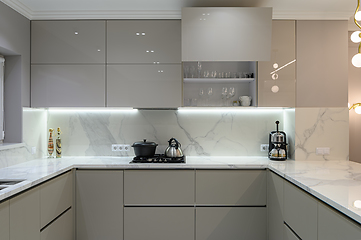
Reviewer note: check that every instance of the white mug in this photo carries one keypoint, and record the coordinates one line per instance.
(245, 100)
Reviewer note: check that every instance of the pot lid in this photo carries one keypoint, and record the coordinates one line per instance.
(144, 143)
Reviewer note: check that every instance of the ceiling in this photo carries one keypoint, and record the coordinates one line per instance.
(171, 9)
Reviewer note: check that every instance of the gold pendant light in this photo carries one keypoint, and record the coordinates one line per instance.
(356, 37)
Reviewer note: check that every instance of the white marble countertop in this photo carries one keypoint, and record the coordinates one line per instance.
(337, 183)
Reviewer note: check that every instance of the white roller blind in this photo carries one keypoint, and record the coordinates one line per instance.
(2, 68)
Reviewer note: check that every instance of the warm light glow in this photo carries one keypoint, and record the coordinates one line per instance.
(355, 37)
(356, 60)
(283, 66)
(275, 65)
(358, 110)
(358, 16)
(357, 204)
(275, 89)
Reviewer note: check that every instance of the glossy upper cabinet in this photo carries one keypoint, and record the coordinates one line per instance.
(277, 77)
(144, 41)
(226, 34)
(68, 86)
(67, 42)
(144, 86)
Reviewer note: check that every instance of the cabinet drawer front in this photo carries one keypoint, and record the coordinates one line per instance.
(56, 42)
(162, 40)
(55, 197)
(144, 86)
(160, 223)
(333, 226)
(231, 187)
(288, 234)
(159, 187)
(300, 212)
(231, 223)
(61, 229)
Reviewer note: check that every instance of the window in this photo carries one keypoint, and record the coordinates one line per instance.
(2, 68)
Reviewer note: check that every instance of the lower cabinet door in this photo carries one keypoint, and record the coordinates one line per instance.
(99, 204)
(333, 226)
(159, 223)
(4, 221)
(61, 229)
(25, 216)
(288, 234)
(231, 223)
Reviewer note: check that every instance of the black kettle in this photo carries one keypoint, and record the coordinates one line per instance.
(174, 149)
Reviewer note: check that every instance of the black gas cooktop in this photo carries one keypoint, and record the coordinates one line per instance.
(158, 158)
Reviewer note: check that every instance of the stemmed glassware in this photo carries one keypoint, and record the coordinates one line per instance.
(201, 94)
(224, 96)
(231, 93)
(209, 95)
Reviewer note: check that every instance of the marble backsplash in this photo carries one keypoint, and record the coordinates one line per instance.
(322, 127)
(201, 133)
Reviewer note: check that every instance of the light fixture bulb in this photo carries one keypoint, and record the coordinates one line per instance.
(355, 37)
(356, 60)
(275, 65)
(358, 109)
(358, 16)
(357, 204)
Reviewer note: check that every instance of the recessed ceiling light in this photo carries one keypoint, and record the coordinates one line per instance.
(143, 33)
(137, 33)
(76, 33)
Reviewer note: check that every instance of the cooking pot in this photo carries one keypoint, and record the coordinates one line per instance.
(174, 149)
(144, 148)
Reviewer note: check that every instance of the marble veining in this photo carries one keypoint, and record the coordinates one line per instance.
(224, 133)
(337, 183)
(321, 127)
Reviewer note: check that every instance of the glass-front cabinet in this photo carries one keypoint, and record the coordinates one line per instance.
(219, 84)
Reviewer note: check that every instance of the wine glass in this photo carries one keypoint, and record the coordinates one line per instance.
(201, 94)
(209, 95)
(231, 93)
(224, 95)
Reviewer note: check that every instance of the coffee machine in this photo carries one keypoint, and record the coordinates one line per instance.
(277, 149)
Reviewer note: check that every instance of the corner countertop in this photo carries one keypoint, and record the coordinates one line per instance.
(337, 183)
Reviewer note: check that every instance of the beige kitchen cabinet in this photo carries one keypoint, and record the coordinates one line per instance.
(289, 234)
(231, 223)
(280, 71)
(4, 220)
(68, 42)
(275, 206)
(144, 86)
(56, 196)
(143, 41)
(231, 187)
(226, 34)
(159, 187)
(61, 229)
(160, 223)
(25, 216)
(300, 211)
(68, 86)
(334, 226)
(99, 204)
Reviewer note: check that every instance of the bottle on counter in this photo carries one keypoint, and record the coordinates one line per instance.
(50, 143)
(58, 144)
